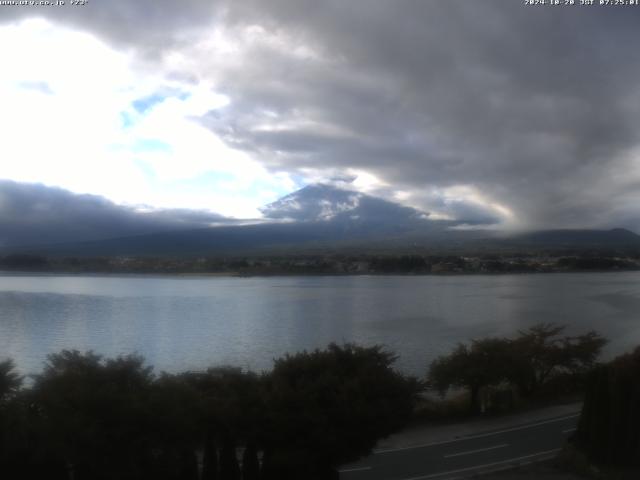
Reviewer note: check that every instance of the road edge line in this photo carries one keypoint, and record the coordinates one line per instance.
(479, 435)
(547, 454)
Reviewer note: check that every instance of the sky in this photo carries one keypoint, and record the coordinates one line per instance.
(526, 115)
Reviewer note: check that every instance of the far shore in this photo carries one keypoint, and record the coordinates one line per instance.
(329, 264)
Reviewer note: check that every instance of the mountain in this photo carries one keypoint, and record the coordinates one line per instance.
(578, 238)
(314, 237)
(317, 203)
(315, 218)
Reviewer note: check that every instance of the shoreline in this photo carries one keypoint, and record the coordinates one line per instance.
(116, 273)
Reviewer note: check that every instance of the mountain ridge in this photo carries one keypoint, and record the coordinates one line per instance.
(323, 217)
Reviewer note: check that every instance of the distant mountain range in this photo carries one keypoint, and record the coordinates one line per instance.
(314, 219)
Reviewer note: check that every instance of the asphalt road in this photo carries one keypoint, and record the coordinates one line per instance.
(466, 456)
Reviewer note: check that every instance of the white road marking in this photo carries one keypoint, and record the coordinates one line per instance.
(356, 469)
(486, 465)
(481, 435)
(568, 430)
(476, 451)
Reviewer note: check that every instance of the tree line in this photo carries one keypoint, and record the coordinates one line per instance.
(331, 263)
(88, 417)
(542, 361)
(538, 360)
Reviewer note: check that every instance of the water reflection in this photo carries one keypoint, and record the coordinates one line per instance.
(190, 323)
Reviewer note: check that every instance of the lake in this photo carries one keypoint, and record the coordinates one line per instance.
(179, 323)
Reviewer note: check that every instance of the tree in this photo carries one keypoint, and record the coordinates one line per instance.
(175, 415)
(233, 409)
(330, 407)
(539, 353)
(527, 362)
(609, 426)
(210, 458)
(483, 363)
(250, 463)
(12, 425)
(10, 380)
(92, 414)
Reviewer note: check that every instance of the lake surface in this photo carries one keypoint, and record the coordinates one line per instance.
(180, 323)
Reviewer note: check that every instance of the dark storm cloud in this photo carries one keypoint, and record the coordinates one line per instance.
(536, 108)
(147, 25)
(533, 107)
(35, 214)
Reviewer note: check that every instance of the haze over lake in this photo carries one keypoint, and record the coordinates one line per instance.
(180, 323)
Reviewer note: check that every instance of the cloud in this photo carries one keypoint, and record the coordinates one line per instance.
(36, 214)
(81, 115)
(489, 109)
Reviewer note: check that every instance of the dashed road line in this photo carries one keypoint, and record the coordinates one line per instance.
(355, 469)
(470, 452)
